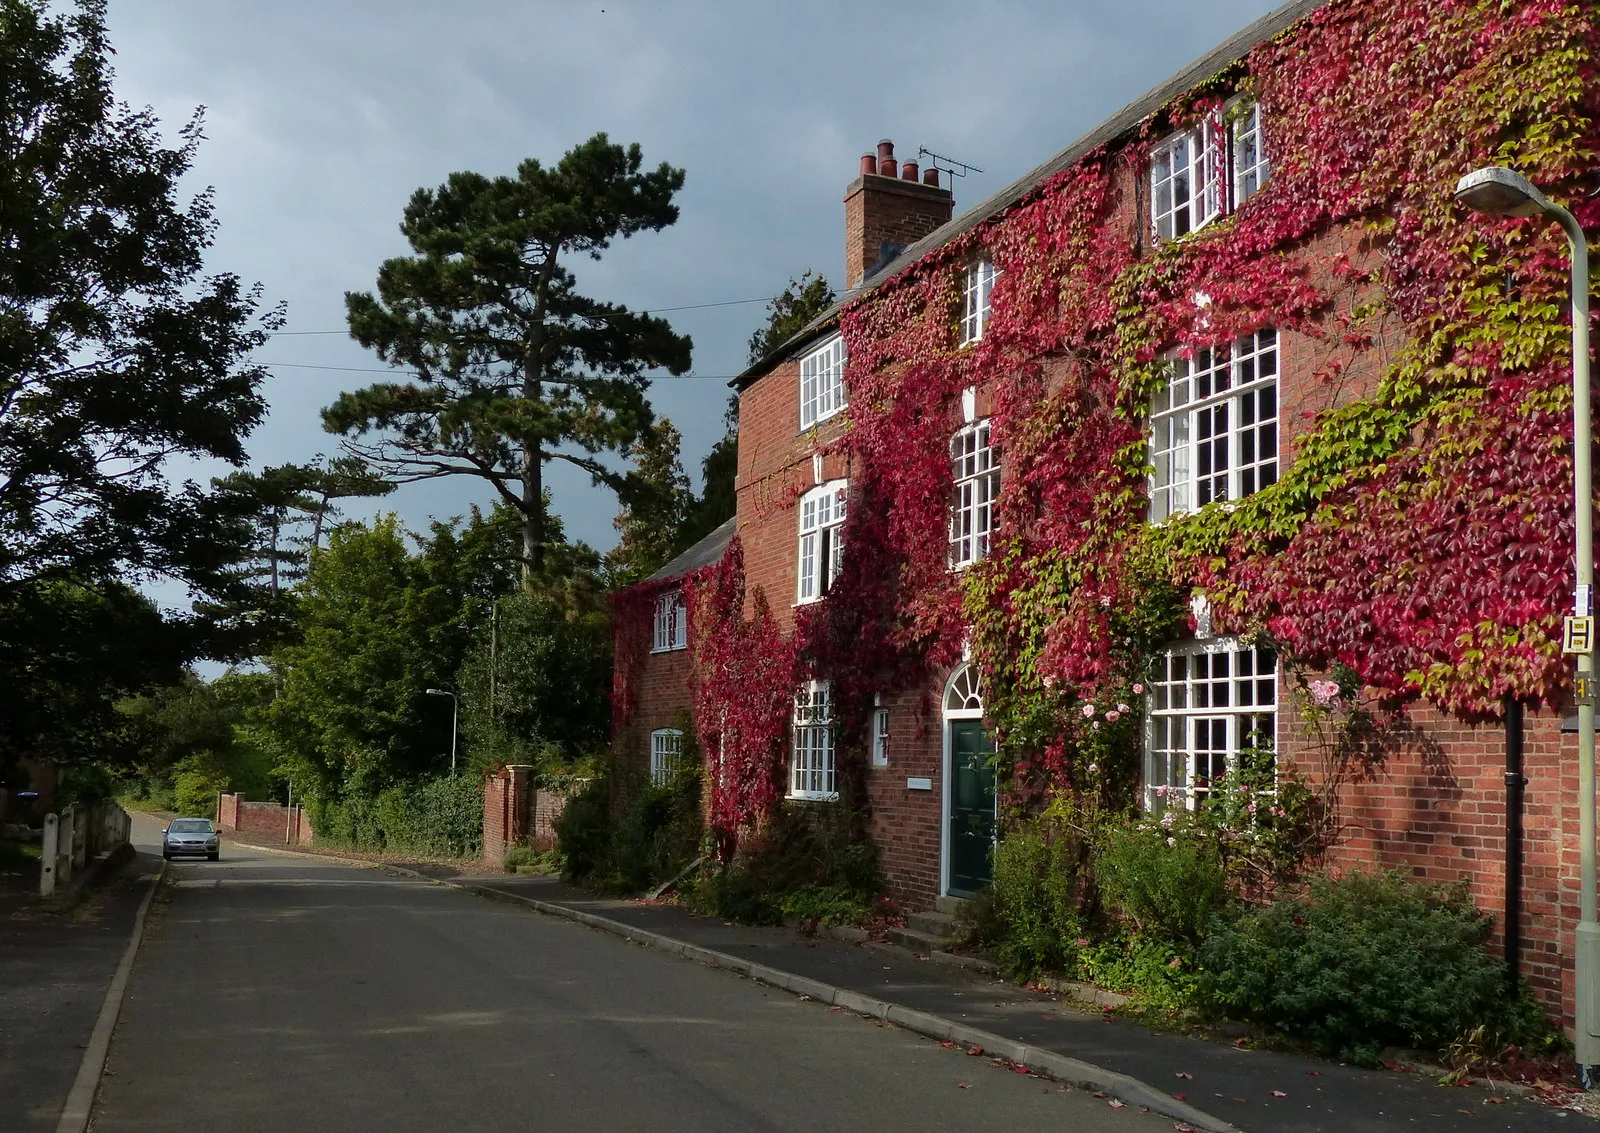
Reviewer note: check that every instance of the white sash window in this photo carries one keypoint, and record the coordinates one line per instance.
(811, 770)
(1209, 701)
(822, 515)
(822, 392)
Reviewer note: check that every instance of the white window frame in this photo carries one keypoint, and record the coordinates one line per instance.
(975, 467)
(812, 772)
(671, 623)
(1197, 720)
(880, 732)
(821, 550)
(977, 300)
(1208, 170)
(822, 389)
(666, 755)
(1247, 152)
(1214, 426)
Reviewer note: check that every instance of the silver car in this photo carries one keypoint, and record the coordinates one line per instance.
(189, 836)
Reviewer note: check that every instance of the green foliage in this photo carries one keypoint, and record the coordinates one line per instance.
(437, 817)
(515, 368)
(68, 655)
(1037, 916)
(1165, 885)
(789, 312)
(119, 353)
(1361, 962)
(799, 863)
(527, 859)
(583, 831)
(650, 525)
(378, 627)
(1157, 972)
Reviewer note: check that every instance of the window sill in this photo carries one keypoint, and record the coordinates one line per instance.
(823, 420)
(812, 797)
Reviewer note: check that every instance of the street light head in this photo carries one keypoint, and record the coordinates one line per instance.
(1498, 191)
(437, 692)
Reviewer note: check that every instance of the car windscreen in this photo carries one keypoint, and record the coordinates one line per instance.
(191, 826)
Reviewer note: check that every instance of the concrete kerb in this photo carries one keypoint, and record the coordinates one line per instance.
(1072, 1071)
(80, 1098)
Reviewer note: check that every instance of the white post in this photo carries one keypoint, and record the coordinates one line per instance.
(69, 818)
(47, 855)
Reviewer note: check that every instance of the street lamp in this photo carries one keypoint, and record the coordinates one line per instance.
(1502, 192)
(455, 705)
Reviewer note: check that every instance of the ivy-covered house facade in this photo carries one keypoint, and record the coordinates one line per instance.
(1221, 461)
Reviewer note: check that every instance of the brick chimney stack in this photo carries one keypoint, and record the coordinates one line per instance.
(886, 205)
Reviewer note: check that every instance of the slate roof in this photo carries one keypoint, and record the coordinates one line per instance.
(703, 553)
(1224, 55)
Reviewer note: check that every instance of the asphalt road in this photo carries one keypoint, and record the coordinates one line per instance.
(285, 993)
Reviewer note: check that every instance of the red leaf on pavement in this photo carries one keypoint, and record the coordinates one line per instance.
(1181, 1097)
(1279, 1094)
(1185, 1074)
(1116, 1103)
(963, 1085)
(1314, 1073)
(977, 1050)
(948, 1044)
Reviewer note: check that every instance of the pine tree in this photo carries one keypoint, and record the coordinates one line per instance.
(514, 367)
(651, 525)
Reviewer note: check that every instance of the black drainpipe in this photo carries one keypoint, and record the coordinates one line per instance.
(1515, 782)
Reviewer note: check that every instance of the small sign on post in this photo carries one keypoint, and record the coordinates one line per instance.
(1577, 635)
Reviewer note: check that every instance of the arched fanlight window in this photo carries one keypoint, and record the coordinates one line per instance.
(964, 692)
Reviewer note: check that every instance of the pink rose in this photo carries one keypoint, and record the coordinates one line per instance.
(1088, 711)
(1123, 708)
(1094, 768)
(1113, 716)
(1138, 689)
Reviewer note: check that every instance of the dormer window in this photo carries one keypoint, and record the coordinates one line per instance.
(1208, 170)
(976, 306)
(822, 392)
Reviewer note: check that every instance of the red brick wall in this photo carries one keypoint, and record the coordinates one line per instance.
(886, 210)
(265, 820)
(905, 822)
(514, 811)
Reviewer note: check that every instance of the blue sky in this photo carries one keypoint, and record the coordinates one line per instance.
(324, 115)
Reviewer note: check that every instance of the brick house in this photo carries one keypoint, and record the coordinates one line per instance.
(1229, 419)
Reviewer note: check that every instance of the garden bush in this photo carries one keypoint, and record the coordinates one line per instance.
(583, 830)
(1361, 962)
(1037, 896)
(1161, 883)
(440, 817)
(657, 836)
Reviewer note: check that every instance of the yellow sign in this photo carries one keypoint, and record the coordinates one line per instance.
(1577, 635)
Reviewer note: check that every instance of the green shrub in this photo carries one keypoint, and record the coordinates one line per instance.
(658, 835)
(1174, 890)
(440, 817)
(523, 858)
(583, 831)
(1159, 972)
(1037, 897)
(800, 864)
(1362, 962)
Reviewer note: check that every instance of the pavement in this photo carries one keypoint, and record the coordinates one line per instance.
(1249, 1089)
(54, 970)
(275, 992)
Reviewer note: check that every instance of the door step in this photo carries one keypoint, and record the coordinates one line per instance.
(948, 904)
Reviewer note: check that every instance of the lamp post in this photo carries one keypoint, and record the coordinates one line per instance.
(455, 705)
(1498, 191)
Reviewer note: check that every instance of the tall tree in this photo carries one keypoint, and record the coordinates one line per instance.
(117, 353)
(514, 367)
(651, 524)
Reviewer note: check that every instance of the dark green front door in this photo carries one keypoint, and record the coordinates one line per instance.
(971, 789)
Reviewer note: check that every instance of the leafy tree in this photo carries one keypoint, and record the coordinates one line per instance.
(70, 654)
(377, 629)
(789, 313)
(651, 525)
(191, 743)
(536, 687)
(514, 367)
(116, 352)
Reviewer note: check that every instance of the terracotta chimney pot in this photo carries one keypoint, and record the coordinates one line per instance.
(908, 171)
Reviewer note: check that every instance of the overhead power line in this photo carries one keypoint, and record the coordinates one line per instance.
(642, 311)
(406, 374)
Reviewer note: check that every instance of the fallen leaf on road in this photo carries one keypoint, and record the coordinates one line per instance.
(1185, 1074)
(975, 1050)
(1116, 1103)
(963, 1085)
(948, 1044)
(1279, 1094)
(836, 1009)
(1099, 1093)
(1314, 1073)
(1497, 1101)
(1238, 1099)
(1468, 1112)
(1181, 1097)
(1183, 1127)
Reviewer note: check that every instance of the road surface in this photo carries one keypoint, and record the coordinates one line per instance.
(276, 992)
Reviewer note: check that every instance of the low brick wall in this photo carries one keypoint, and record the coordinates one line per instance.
(289, 825)
(514, 811)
